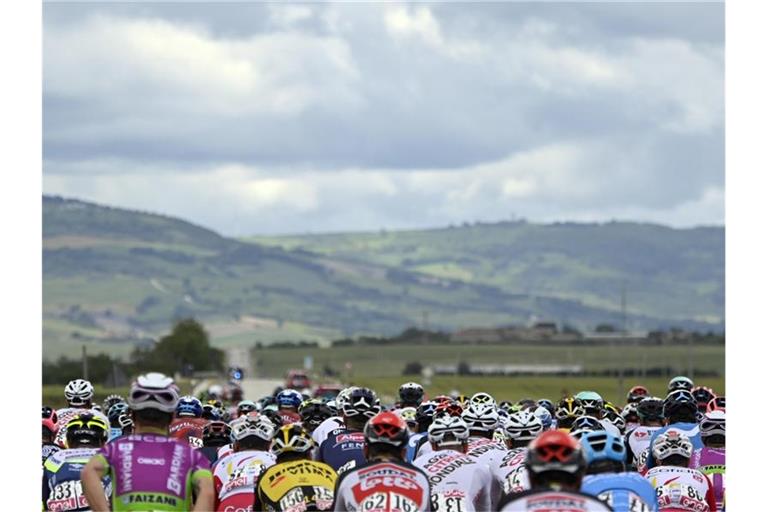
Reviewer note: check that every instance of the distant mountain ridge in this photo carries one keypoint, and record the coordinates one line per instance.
(113, 277)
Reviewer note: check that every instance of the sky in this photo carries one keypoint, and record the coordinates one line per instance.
(266, 118)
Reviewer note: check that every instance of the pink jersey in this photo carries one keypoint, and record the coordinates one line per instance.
(711, 462)
(235, 475)
(681, 489)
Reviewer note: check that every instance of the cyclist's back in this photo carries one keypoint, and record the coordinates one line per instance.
(681, 489)
(624, 492)
(383, 485)
(458, 481)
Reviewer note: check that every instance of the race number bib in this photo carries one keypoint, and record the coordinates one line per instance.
(386, 501)
(67, 496)
(681, 496)
(449, 501)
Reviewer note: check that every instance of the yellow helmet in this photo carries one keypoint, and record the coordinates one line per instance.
(291, 438)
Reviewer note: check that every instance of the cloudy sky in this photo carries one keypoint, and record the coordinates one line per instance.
(295, 118)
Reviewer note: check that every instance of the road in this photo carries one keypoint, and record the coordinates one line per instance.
(253, 388)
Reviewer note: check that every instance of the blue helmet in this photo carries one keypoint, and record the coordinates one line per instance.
(602, 445)
(544, 415)
(116, 411)
(189, 407)
(289, 398)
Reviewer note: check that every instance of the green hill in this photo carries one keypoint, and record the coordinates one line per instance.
(113, 278)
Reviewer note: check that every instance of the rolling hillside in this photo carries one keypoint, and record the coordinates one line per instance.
(113, 278)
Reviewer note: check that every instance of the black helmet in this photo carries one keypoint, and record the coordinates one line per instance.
(361, 403)
(651, 409)
(680, 404)
(411, 393)
(314, 412)
(216, 433)
(87, 429)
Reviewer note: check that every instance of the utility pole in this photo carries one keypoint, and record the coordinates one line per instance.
(623, 338)
(85, 364)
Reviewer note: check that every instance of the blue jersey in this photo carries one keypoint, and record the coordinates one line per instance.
(623, 492)
(414, 442)
(689, 429)
(341, 446)
(61, 480)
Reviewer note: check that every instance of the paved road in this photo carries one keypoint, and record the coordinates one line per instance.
(253, 389)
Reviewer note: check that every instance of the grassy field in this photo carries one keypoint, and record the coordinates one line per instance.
(386, 361)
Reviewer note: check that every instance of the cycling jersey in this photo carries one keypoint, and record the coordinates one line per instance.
(689, 429)
(223, 451)
(152, 471)
(681, 489)
(383, 486)
(552, 501)
(511, 472)
(64, 415)
(62, 489)
(323, 429)
(459, 482)
(488, 452)
(415, 441)
(294, 486)
(636, 441)
(188, 429)
(342, 446)
(235, 475)
(711, 462)
(623, 492)
(610, 427)
(289, 417)
(49, 449)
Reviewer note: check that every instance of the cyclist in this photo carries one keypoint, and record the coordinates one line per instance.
(383, 482)
(636, 394)
(62, 490)
(650, 411)
(235, 475)
(680, 415)
(613, 415)
(295, 481)
(710, 460)
(110, 401)
(677, 486)
(594, 405)
(288, 402)
(149, 469)
(216, 439)
(411, 395)
(321, 432)
(246, 406)
(568, 409)
(313, 413)
(703, 396)
(188, 422)
(420, 440)
(678, 383)
(49, 434)
(548, 405)
(482, 418)
(79, 396)
(585, 424)
(544, 416)
(631, 419)
(520, 429)
(344, 446)
(606, 477)
(458, 482)
(114, 414)
(555, 465)
(409, 416)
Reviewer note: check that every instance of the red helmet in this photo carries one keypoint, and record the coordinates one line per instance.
(716, 404)
(703, 396)
(637, 393)
(388, 428)
(450, 408)
(442, 398)
(555, 450)
(50, 425)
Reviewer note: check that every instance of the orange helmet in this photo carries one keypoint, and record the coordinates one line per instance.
(554, 450)
(387, 428)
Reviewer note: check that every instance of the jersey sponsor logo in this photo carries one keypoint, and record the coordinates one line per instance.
(302, 468)
(150, 461)
(442, 467)
(557, 502)
(150, 498)
(173, 483)
(388, 479)
(126, 466)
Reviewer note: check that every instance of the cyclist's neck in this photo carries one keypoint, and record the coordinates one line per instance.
(144, 429)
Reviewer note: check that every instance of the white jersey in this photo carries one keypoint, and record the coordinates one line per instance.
(458, 482)
(640, 439)
(237, 472)
(64, 415)
(488, 452)
(610, 427)
(325, 428)
(679, 489)
(383, 486)
(511, 472)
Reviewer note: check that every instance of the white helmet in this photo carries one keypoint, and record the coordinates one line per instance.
(713, 424)
(451, 426)
(523, 426)
(671, 443)
(481, 417)
(343, 396)
(482, 399)
(248, 426)
(78, 392)
(153, 391)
